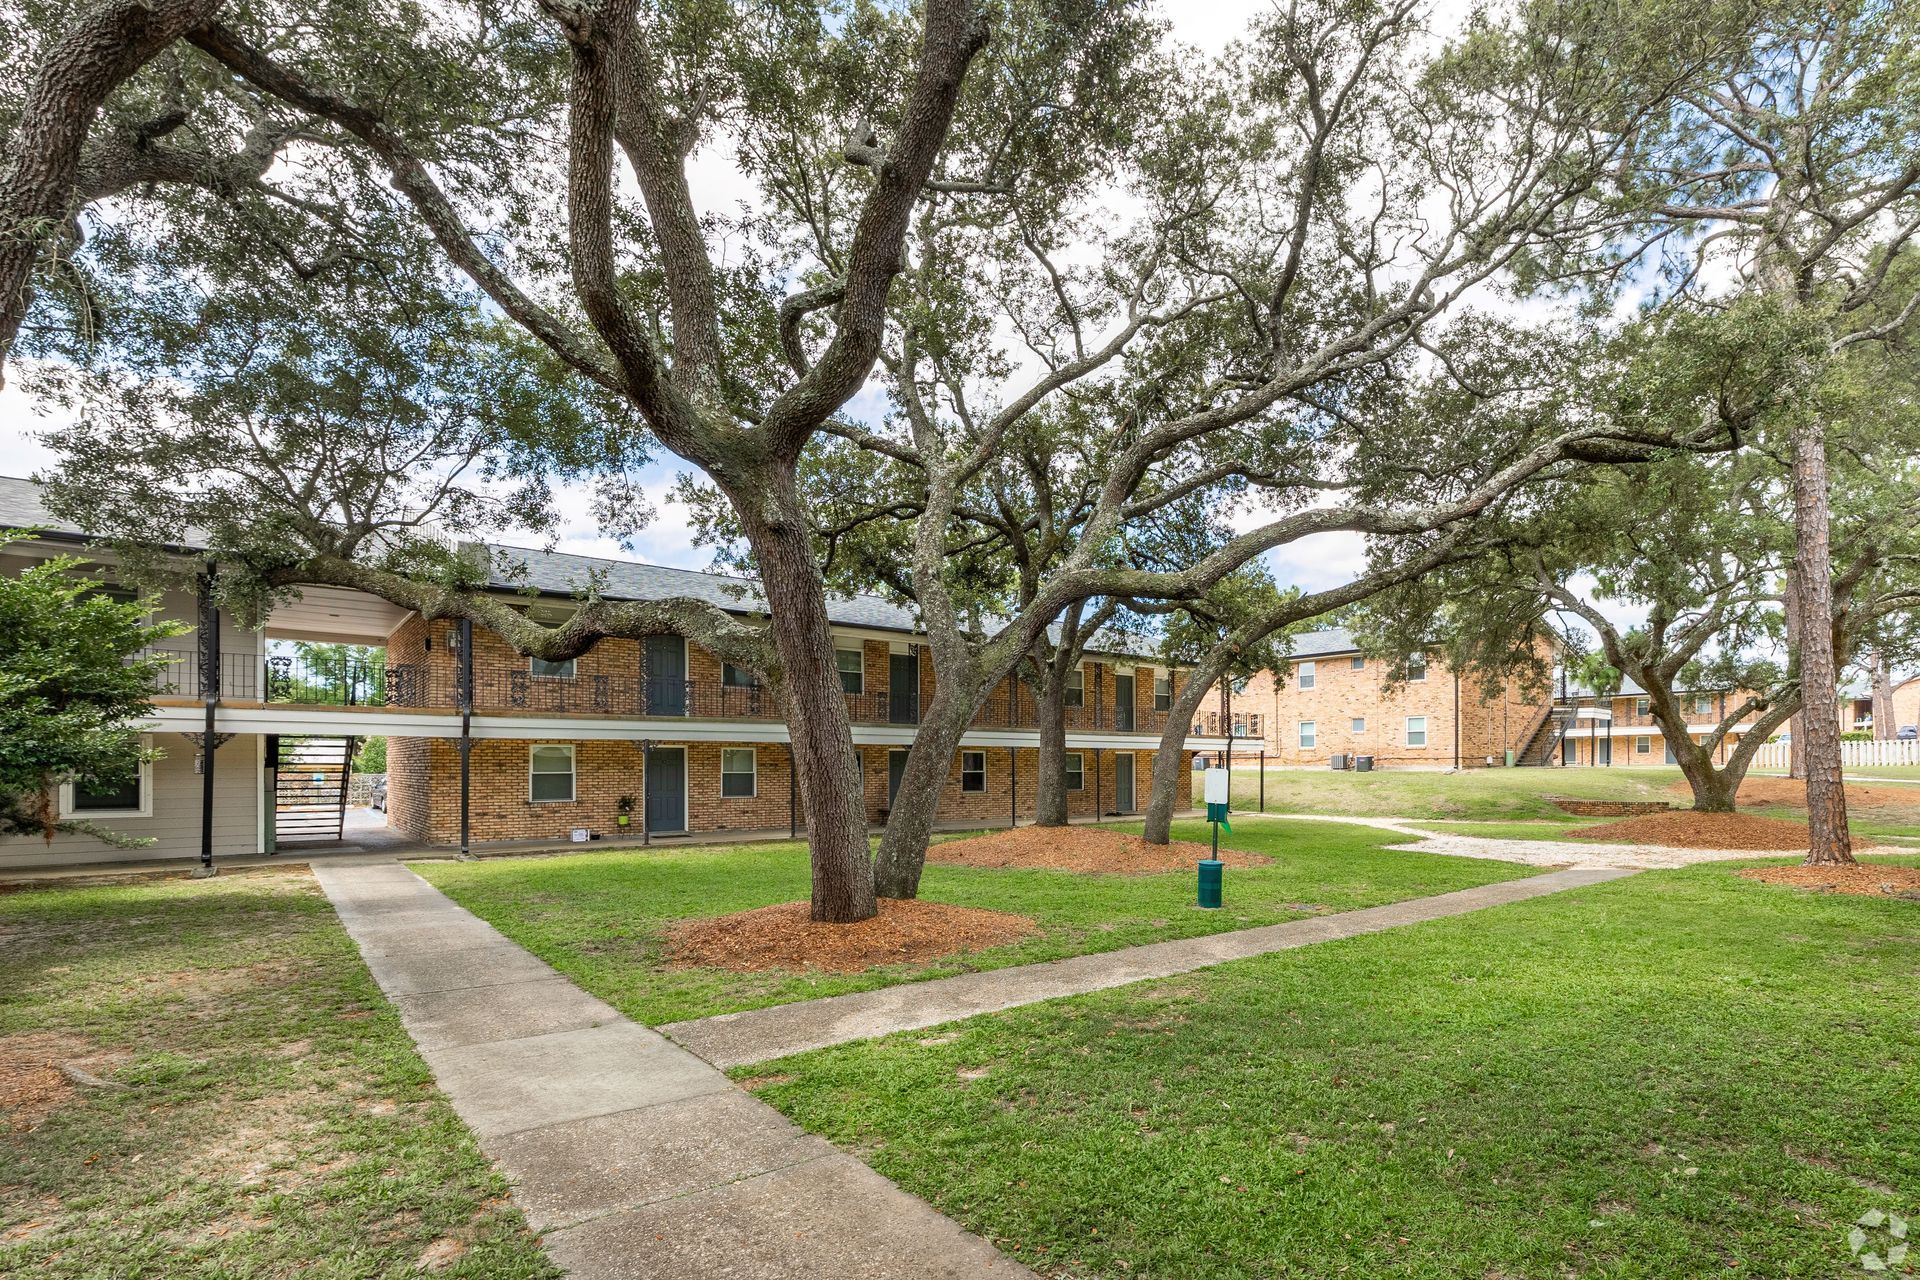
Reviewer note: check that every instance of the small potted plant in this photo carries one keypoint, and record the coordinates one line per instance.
(625, 807)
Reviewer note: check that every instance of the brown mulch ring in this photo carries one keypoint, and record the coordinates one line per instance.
(1866, 880)
(1686, 829)
(783, 937)
(1081, 849)
(1792, 794)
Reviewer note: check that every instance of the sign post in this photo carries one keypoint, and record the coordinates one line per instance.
(1218, 788)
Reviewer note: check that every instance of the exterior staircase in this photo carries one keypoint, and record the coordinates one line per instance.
(1544, 742)
(310, 789)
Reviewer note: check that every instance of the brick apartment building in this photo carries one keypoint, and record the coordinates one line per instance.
(656, 729)
(1619, 728)
(1334, 700)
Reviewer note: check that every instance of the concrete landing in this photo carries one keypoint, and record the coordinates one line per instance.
(737, 1039)
(633, 1157)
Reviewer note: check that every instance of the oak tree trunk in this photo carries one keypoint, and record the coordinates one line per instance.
(821, 733)
(1050, 706)
(903, 846)
(1168, 777)
(1829, 840)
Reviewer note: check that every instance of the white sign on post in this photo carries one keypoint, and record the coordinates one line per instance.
(1218, 782)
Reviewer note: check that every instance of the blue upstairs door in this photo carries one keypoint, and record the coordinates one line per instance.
(666, 673)
(903, 688)
(666, 787)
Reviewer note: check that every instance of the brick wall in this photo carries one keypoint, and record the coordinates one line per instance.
(424, 789)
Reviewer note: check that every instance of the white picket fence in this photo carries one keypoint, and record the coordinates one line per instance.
(1852, 754)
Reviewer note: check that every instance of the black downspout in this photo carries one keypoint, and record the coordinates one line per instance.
(1097, 753)
(466, 739)
(1013, 787)
(210, 694)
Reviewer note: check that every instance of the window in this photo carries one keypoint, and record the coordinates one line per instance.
(1075, 694)
(853, 670)
(973, 771)
(1359, 724)
(1357, 664)
(128, 797)
(737, 677)
(550, 773)
(1417, 671)
(1703, 704)
(1162, 690)
(1642, 706)
(737, 773)
(1239, 726)
(1253, 726)
(1643, 745)
(1076, 771)
(562, 670)
(1309, 734)
(1416, 731)
(1308, 674)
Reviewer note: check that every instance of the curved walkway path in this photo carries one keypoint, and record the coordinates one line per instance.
(1534, 853)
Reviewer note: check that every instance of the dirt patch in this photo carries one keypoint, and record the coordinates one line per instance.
(41, 1072)
(782, 937)
(1862, 879)
(1686, 829)
(1608, 808)
(1082, 849)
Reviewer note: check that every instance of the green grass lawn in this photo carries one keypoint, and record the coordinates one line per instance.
(1680, 1074)
(1486, 795)
(598, 917)
(262, 1112)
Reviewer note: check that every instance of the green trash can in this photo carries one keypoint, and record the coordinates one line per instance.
(1210, 869)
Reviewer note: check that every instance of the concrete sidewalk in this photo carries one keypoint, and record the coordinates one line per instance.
(633, 1157)
(737, 1039)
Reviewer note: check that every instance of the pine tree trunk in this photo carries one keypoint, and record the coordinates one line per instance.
(1829, 840)
(827, 771)
(1796, 739)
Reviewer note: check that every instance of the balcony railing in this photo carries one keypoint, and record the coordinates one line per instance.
(356, 680)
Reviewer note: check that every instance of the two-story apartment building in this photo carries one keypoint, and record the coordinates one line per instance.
(657, 730)
(1335, 700)
(1619, 728)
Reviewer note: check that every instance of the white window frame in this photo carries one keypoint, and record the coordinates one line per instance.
(1309, 734)
(1421, 659)
(1162, 680)
(1073, 692)
(1307, 675)
(1076, 762)
(752, 681)
(753, 773)
(1703, 704)
(982, 771)
(1422, 731)
(1643, 706)
(1358, 724)
(573, 772)
(1643, 744)
(143, 810)
(858, 671)
(1357, 663)
(570, 672)
(1253, 724)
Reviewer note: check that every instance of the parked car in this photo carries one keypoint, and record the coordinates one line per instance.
(1908, 732)
(378, 797)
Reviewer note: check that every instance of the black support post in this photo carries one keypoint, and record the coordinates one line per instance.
(1263, 777)
(1013, 788)
(210, 697)
(1097, 805)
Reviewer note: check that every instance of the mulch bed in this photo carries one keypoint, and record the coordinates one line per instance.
(783, 937)
(1082, 849)
(1686, 829)
(1866, 881)
(1792, 793)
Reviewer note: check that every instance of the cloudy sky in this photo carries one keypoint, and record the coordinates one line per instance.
(1319, 562)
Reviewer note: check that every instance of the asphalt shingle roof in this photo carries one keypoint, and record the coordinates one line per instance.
(20, 508)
